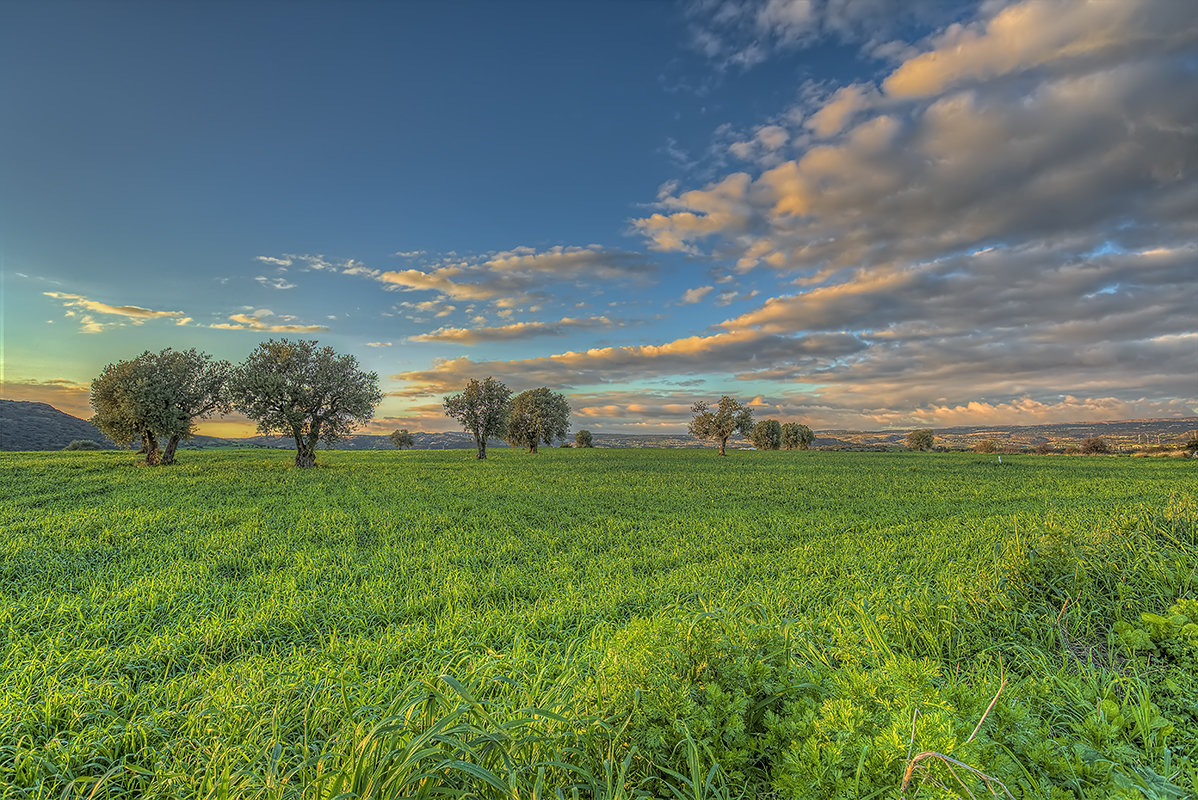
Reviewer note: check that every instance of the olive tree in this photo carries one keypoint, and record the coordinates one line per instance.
(309, 393)
(767, 435)
(482, 409)
(584, 439)
(728, 418)
(401, 438)
(157, 397)
(796, 436)
(537, 416)
(920, 440)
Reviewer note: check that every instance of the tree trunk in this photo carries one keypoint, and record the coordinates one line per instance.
(150, 445)
(723, 442)
(168, 455)
(305, 454)
(481, 444)
(532, 448)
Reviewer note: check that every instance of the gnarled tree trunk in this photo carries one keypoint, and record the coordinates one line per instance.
(723, 443)
(149, 443)
(305, 454)
(168, 455)
(481, 444)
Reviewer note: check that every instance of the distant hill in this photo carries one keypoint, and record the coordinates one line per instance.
(37, 426)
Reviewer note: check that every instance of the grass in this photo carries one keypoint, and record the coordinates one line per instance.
(597, 623)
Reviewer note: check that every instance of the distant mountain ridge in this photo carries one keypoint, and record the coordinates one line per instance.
(26, 425)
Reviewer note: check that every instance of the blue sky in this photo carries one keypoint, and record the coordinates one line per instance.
(964, 214)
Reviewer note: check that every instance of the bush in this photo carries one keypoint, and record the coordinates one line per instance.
(84, 444)
(584, 439)
(986, 446)
(1094, 446)
(767, 435)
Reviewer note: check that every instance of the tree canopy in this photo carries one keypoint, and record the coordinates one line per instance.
(401, 438)
(307, 392)
(537, 416)
(920, 440)
(796, 436)
(728, 418)
(584, 439)
(767, 435)
(157, 397)
(482, 409)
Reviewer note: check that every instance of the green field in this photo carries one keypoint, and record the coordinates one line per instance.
(598, 623)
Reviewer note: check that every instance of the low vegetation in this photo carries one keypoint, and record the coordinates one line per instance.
(631, 624)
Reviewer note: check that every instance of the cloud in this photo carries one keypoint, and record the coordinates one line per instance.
(990, 233)
(515, 330)
(506, 278)
(378, 344)
(274, 283)
(1063, 33)
(695, 295)
(127, 315)
(260, 321)
(1095, 148)
(744, 33)
(279, 262)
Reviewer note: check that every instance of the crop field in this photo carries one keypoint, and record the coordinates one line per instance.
(598, 624)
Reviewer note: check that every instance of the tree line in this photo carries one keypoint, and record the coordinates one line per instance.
(315, 395)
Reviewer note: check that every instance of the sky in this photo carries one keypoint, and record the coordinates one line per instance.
(848, 213)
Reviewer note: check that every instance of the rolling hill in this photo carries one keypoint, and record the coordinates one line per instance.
(27, 425)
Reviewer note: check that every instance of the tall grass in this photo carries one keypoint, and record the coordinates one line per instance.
(596, 624)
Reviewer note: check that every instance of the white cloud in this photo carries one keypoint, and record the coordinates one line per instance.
(695, 295)
(125, 315)
(274, 283)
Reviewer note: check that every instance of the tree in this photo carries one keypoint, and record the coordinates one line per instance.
(728, 418)
(767, 435)
(307, 392)
(537, 416)
(1094, 446)
(159, 396)
(584, 439)
(482, 409)
(986, 446)
(401, 438)
(921, 439)
(796, 436)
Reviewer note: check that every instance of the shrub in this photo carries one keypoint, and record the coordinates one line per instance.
(84, 444)
(584, 439)
(986, 446)
(1095, 445)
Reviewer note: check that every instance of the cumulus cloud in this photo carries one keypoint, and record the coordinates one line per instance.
(695, 295)
(1000, 230)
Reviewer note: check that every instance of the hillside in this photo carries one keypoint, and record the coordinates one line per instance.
(37, 426)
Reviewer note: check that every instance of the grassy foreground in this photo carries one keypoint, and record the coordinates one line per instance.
(598, 623)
